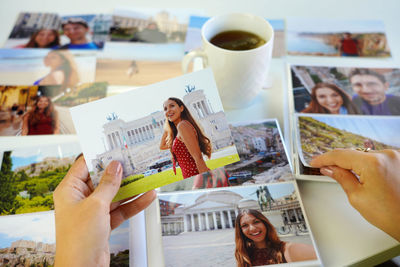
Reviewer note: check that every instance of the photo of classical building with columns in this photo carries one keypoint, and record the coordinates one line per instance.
(217, 210)
(136, 143)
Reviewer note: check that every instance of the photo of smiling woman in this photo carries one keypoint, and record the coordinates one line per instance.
(329, 99)
(43, 38)
(185, 139)
(257, 242)
(41, 119)
(63, 70)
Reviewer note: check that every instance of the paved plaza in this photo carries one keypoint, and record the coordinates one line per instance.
(208, 248)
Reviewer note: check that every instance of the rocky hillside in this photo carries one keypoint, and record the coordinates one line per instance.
(23, 253)
(48, 164)
(317, 137)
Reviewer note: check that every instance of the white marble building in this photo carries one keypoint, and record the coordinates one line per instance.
(136, 143)
(216, 210)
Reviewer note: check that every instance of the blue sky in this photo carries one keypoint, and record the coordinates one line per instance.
(28, 155)
(333, 25)
(119, 238)
(38, 227)
(277, 190)
(382, 129)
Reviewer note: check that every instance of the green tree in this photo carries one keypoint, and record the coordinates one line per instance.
(41, 189)
(7, 192)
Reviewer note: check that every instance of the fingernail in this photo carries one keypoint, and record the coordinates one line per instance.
(326, 171)
(114, 168)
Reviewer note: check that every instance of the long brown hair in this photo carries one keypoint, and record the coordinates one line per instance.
(68, 67)
(203, 140)
(32, 41)
(245, 246)
(34, 115)
(315, 107)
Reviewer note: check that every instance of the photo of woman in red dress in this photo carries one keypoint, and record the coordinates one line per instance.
(184, 138)
(42, 119)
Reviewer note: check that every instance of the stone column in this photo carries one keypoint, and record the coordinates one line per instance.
(200, 222)
(230, 219)
(222, 219)
(193, 226)
(295, 215)
(185, 226)
(287, 216)
(110, 142)
(207, 112)
(207, 222)
(215, 220)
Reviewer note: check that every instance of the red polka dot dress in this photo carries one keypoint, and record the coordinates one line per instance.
(185, 160)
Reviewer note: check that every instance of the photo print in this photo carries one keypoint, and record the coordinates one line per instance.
(137, 128)
(346, 90)
(119, 245)
(135, 72)
(46, 67)
(211, 226)
(317, 134)
(89, 31)
(35, 30)
(29, 176)
(263, 159)
(28, 238)
(41, 110)
(193, 36)
(49, 30)
(337, 38)
(150, 25)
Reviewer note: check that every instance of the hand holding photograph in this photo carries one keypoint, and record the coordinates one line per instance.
(161, 133)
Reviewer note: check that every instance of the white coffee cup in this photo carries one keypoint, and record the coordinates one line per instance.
(240, 75)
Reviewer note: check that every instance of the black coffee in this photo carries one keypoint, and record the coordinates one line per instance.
(237, 40)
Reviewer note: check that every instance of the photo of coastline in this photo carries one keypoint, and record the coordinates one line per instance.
(196, 225)
(32, 66)
(318, 134)
(337, 38)
(130, 127)
(346, 90)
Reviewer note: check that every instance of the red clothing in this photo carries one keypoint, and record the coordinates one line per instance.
(265, 256)
(43, 126)
(185, 160)
(349, 46)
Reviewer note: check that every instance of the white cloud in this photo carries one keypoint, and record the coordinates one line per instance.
(39, 227)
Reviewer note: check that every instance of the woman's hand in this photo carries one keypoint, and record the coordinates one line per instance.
(376, 193)
(85, 217)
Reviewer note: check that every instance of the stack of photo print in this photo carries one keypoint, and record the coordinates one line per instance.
(347, 102)
(97, 84)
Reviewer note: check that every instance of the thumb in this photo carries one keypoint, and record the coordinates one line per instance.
(110, 182)
(345, 178)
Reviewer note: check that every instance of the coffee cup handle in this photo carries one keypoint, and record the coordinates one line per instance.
(192, 56)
